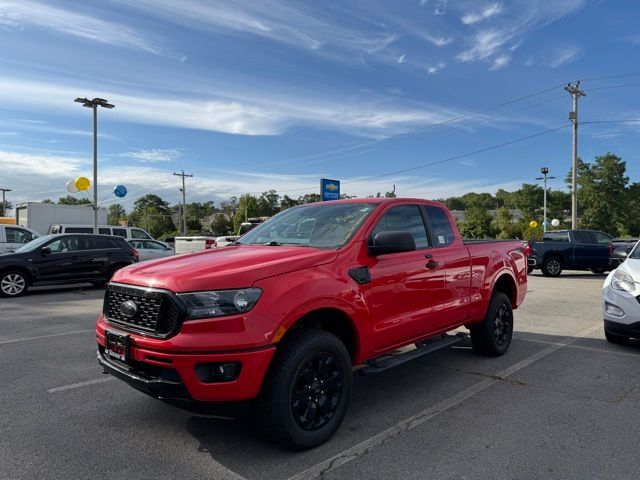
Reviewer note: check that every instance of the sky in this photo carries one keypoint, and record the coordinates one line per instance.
(434, 97)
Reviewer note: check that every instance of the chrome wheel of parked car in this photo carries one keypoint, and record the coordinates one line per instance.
(552, 267)
(13, 284)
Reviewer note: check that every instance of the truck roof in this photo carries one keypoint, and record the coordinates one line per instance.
(383, 200)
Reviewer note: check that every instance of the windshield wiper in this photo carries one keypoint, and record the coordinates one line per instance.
(274, 243)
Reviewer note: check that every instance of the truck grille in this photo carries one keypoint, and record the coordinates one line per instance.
(156, 312)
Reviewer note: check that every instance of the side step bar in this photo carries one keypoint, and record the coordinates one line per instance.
(378, 365)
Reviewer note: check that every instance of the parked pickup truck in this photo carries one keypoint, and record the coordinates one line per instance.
(619, 249)
(571, 249)
(284, 314)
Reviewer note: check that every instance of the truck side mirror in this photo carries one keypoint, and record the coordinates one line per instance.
(391, 242)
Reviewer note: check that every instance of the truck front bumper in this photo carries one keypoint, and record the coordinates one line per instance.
(177, 376)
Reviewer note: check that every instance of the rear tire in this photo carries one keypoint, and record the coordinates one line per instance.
(530, 270)
(598, 270)
(493, 335)
(552, 267)
(13, 283)
(617, 339)
(307, 390)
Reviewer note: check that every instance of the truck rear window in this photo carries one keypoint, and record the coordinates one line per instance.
(556, 237)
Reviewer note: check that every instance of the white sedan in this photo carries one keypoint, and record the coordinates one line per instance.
(621, 300)
(151, 249)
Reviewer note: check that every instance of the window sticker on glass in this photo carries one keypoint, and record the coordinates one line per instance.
(441, 240)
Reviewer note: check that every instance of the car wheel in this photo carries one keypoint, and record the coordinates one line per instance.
(598, 271)
(307, 391)
(493, 335)
(617, 339)
(13, 283)
(530, 270)
(552, 267)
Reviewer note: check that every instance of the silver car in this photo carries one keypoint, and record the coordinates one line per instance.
(621, 300)
(151, 249)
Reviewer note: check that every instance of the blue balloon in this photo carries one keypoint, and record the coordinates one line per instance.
(120, 191)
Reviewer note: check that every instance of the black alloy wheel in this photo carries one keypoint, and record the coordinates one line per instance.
(317, 391)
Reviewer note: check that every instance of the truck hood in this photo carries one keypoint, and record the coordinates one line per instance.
(222, 268)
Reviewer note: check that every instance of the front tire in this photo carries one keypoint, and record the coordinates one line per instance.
(13, 283)
(493, 335)
(552, 267)
(307, 390)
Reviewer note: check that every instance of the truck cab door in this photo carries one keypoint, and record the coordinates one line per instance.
(405, 289)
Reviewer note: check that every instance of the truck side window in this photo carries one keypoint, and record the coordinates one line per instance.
(121, 232)
(556, 237)
(18, 235)
(136, 233)
(602, 238)
(582, 236)
(441, 226)
(404, 218)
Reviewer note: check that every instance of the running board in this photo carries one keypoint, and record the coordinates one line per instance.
(422, 348)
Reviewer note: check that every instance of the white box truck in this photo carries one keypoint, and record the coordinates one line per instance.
(40, 216)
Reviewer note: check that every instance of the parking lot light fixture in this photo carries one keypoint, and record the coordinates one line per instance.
(545, 172)
(94, 104)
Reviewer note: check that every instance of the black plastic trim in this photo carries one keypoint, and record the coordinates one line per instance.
(361, 275)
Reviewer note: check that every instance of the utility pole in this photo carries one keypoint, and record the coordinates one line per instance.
(184, 200)
(4, 203)
(575, 92)
(94, 104)
(544, 171)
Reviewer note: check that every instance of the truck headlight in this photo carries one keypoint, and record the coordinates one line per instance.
(220, 303)
(622, 281)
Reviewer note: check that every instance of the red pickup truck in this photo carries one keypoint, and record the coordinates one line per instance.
(284, 314)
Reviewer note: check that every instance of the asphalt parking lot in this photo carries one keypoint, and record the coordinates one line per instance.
(562, 403)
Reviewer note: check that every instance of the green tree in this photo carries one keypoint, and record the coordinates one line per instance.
(503, 225)
(309, 198)
(5, 207)
(47, 200)
(288, 202)
(117, 213)
(529, 199)
(71, 200)
(268, 203)
(220, 225)
(153, 214)
(477, 223)
(603, 195)
(247, 207)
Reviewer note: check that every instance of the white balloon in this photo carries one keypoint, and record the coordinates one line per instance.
(555, 222)
(71, 186)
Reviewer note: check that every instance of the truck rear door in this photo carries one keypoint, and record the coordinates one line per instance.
(455, 258)
(590, 250)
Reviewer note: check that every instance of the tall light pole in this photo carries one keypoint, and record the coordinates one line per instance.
(575, 92)
(184, 200)
(4, 203)
(94, 104)
(545, 172)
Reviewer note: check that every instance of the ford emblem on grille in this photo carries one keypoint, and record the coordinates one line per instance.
(128, 309)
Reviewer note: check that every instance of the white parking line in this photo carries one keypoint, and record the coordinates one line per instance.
(405, 425)
(579, 347)
(81, 384)
(4, 342)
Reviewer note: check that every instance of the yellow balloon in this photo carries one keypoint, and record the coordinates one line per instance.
(533, 224)
(82, 183)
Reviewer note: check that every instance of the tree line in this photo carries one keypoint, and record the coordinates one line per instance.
(607, 201)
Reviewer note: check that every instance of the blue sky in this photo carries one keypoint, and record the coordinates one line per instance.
(257, 95)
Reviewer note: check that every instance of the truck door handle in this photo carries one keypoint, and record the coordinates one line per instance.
(432, 264)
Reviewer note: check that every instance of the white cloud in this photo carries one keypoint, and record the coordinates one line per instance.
(21, 13)
(153, 155)
(563, 55)
(487, 12)
(432, 70)
(485, 44)
(439, 41)
(262, 115)
(500, 62)
(440, 7)
(28, 165)
(401, 58)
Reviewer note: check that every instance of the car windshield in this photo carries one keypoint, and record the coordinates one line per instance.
(320, 225)
(635, 253)
(34, 244)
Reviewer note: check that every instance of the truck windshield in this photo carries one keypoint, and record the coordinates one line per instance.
(320, 225)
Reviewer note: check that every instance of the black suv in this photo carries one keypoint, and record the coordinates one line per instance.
(62, 259)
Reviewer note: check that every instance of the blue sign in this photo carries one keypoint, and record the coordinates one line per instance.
(329, 189)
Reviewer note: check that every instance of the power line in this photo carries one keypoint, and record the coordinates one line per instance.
(449, 159)
(607, 87)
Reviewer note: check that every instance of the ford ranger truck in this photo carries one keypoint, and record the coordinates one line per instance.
(283, 315)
